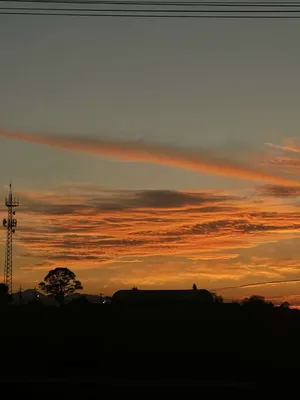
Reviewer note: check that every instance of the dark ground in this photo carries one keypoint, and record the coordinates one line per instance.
(85, 348)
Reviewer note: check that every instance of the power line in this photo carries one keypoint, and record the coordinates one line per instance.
(115, 15)
(117, 10)
(167, 3)
(191, 9)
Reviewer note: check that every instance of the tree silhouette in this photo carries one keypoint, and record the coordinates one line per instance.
(60, 283)
(257, 303)
(254, 300)
(217, 299)
(285, 304)
(194, 286)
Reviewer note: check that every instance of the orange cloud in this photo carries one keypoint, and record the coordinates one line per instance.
(200, 160)
(156, 238)
(126, 229)
(279, 191)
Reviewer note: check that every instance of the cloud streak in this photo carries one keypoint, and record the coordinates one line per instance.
(160, 239)
(285, 163)
(259, 284)
(199, 226)
(288, 145)
(199, 160)
(279, 191)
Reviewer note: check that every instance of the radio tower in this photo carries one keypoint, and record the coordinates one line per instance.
(10, 224)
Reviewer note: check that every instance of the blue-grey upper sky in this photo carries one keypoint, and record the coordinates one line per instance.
(232, 84)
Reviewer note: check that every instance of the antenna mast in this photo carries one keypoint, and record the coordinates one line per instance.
(10, 224)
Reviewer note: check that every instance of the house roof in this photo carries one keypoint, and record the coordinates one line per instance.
(162, 295)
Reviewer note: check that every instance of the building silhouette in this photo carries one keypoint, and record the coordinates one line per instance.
(163, 300)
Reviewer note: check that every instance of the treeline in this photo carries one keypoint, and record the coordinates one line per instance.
(251, 341)
(239, 341)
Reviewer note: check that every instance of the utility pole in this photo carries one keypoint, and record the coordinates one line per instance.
(10, 224)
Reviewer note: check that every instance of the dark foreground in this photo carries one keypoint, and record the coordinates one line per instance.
(82, 349)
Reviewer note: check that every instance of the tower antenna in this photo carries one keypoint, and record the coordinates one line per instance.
(10, 224)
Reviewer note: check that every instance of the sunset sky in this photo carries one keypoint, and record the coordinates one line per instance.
(153, 153)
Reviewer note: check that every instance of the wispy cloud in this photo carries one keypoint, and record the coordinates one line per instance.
(201, 160)
(281, 161)
(284, 163)
(279, 191)
(162, 237)
(288, 145)
(119, 232)
(259, 284)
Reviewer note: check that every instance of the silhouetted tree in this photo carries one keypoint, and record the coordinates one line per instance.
(254, 300)
(195, 286)
(4, 296)
(285, 304)
(217, 299)
(60, 283)
(256, 303)
(134, 289)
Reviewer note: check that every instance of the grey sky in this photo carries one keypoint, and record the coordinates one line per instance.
(228, 84)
